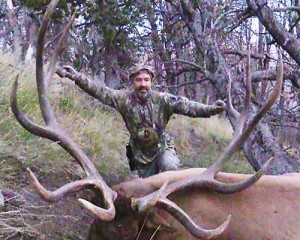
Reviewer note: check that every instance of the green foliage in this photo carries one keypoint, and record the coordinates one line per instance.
(37, 4)
(115, 28)
(65, 103)
(42, 4)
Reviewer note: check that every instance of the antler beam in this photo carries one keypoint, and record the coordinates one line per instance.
(55, 133)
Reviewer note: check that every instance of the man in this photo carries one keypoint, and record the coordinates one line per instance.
(146, 113)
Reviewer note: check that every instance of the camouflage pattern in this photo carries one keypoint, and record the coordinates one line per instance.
(146, 122)
(137, 68)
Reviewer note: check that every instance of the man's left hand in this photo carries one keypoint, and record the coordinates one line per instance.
(221, 104)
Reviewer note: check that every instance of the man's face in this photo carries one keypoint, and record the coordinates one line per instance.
(142, 85)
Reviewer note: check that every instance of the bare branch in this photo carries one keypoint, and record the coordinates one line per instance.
(196, 66)
(287, 8)
(240, 122)
(182, 84)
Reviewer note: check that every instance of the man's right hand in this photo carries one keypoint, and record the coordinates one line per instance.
(68, 72)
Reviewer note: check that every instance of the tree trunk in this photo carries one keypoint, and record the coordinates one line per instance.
(159, 51)
(110, 63)
(13, 22)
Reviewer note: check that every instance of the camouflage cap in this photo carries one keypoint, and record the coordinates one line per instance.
(137, 68)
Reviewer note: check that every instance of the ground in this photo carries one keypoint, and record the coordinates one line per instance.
(26, 216)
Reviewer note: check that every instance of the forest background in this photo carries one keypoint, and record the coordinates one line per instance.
(192, 45)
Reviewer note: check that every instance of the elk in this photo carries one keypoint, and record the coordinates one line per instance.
(139, 202)
(267, 210)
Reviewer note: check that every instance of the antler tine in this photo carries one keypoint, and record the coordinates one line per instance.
(229, 107)
(104, 214)
(229, 188)
(53, 132)
(239, 140)
(45, 107)
(159, 199)
(240, 119)
(62, 191)
(58, 50)
(189, 224)
(21, 117)
(240, 122)
(58, 134)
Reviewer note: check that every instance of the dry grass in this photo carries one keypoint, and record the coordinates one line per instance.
(13, 221)
(201, 141)
(205, 128)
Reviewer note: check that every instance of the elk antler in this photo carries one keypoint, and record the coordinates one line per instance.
(54, 132)
(207, 180)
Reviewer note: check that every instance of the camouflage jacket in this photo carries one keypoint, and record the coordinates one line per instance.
(146, 122)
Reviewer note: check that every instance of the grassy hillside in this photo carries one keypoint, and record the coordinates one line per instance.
(99, 130)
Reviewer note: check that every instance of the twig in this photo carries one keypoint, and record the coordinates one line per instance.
(155, 232)
(138, 236)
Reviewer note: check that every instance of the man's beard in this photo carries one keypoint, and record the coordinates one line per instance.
(143, 93)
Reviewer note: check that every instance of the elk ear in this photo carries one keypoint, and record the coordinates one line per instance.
(157, 220)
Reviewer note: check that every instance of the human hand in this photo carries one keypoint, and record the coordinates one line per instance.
(219, 106)
(220, 103)
(70, 69)
(68, 72)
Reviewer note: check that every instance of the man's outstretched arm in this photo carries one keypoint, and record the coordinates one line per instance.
(182, 105)
(104, 94)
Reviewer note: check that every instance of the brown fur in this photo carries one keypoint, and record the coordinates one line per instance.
(270, 209)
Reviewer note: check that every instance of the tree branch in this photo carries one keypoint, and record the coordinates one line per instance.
(282, 37)
(182, 84)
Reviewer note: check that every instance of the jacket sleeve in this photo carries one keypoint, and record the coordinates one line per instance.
(184, 106)
(104, 94)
